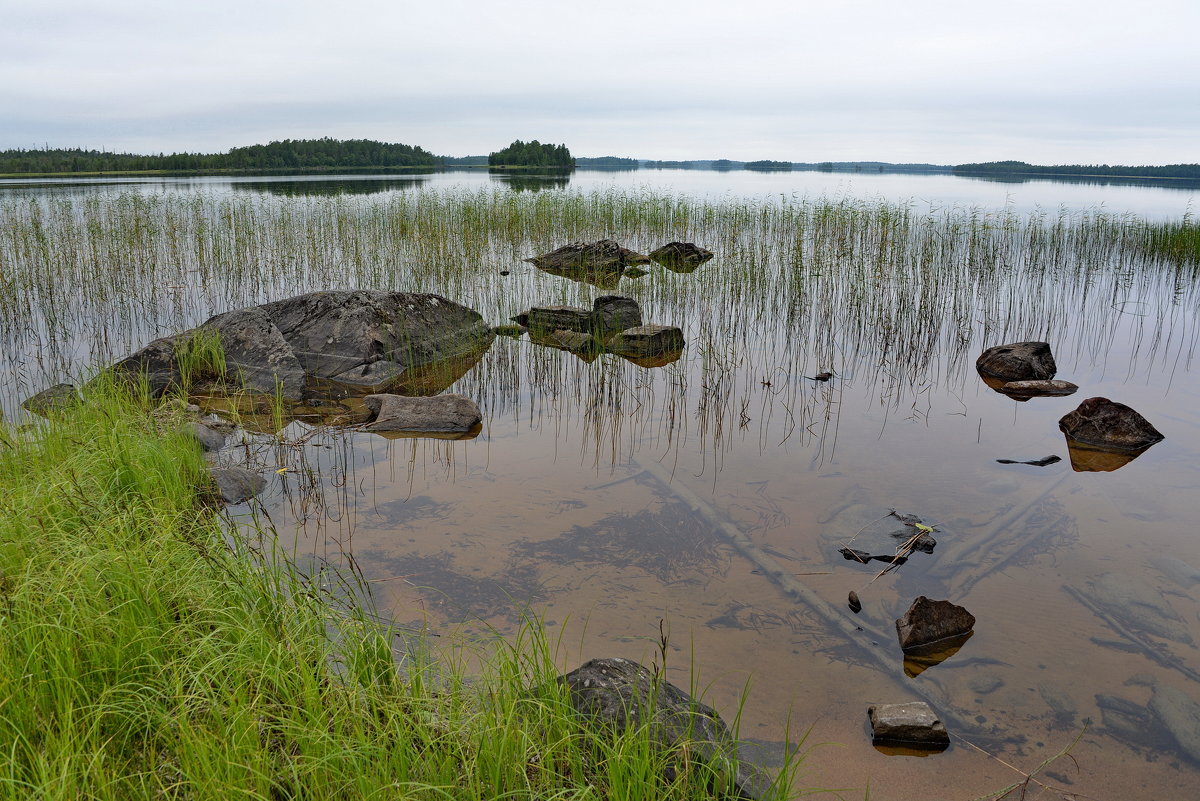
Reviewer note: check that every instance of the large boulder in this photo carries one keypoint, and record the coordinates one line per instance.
(1108, 425)
(1018, 361)
(359, 339)
(443, 414)
(614, 695)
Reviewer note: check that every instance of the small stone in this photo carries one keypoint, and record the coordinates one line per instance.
(1106, 424)
(209, 439)
(236, 484)
(927, 622)
(855, 604)
(1018, 361)
(437, 414)
(855, 555)
(646, 340)
(1035, 389)
(913, 723)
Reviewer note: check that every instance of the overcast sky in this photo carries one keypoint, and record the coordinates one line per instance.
(944, 81)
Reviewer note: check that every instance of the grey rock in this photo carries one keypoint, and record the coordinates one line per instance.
(52, 401)
(437, 414)
(209, 439)
(913, 723)
(680, 256)
(646, 340)
(1018, 361)
(1180, 715)
(363, 339)
(236, 484)
(614, 695)
(1034, 389)
(1106, 424)
(615, 313)
(927, 622)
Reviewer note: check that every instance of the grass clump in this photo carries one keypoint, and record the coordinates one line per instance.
(144, 653)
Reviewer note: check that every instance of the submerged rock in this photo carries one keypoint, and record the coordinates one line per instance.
(1180, 715)
(447, 414)
(913, 724)
(1108, 425)
(1018, 361)
(1136, 604)
(1124, 719)
(614, 695)
(928, 622)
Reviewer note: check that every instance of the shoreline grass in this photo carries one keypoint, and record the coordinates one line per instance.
(145, 652)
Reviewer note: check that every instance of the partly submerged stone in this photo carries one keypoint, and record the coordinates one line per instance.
(928, 622)
(1023, 390)
(446, 414)
(615, 313)
(1105, 424)
(1018, 361)
(359, 339)
(647, 340)
(681, 256)
(52, 401)
(556, 318)
(608, 313)
(616, 695)
(209, 439)
(600, 255)
(913, 724)
(236, 484)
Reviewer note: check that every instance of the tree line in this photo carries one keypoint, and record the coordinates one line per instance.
(1114, 171)
(532, 154)
(288, 154)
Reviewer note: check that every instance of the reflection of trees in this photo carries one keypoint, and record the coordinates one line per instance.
(329, 186)
(536, 182)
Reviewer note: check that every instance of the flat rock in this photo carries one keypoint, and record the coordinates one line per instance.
(52, 401)
(913, 723)
(615, 694)
(927, 622)
(647, 340)
(1034, 389)
(437, 414)
(1018, 361)
(236, 484)
(1108, 425)
(1180, 715)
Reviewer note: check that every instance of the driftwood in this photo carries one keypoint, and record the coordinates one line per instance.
(835, 619)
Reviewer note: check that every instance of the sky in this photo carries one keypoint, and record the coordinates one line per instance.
(941, 81)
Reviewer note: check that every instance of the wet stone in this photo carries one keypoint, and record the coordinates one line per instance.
(1036, 389)
(208, 439)
(647, 340)
(1105, 424)
(913, 723)
(1018, 361)
(437, 414)
(927, 622)
(236, 484)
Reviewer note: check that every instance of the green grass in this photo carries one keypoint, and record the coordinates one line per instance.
(145, 652)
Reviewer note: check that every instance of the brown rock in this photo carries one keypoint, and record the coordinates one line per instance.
(1037, 389)
(927, 622)
(1106, 424)
(1018, 361)
(438, 414)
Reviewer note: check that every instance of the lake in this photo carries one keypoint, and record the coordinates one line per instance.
(604, 496)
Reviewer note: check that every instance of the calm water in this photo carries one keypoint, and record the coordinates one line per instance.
(579, 498)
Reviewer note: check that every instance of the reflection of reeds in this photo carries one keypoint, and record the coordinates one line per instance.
(887, 294)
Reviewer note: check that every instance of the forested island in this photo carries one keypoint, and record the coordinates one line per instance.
(1084, 170)
(288, 154)
(532, 154)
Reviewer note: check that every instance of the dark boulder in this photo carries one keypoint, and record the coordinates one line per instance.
(1108, 425)
(911, 724)
(609, 313)
(681, 257)
(1018, 361)
(647, 340)
(449, 414)
(615, 313)
(557, 318)
(928, 622)
(615, 695)
(207, 438)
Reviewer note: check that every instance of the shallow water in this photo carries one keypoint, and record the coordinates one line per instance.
(560, 506)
